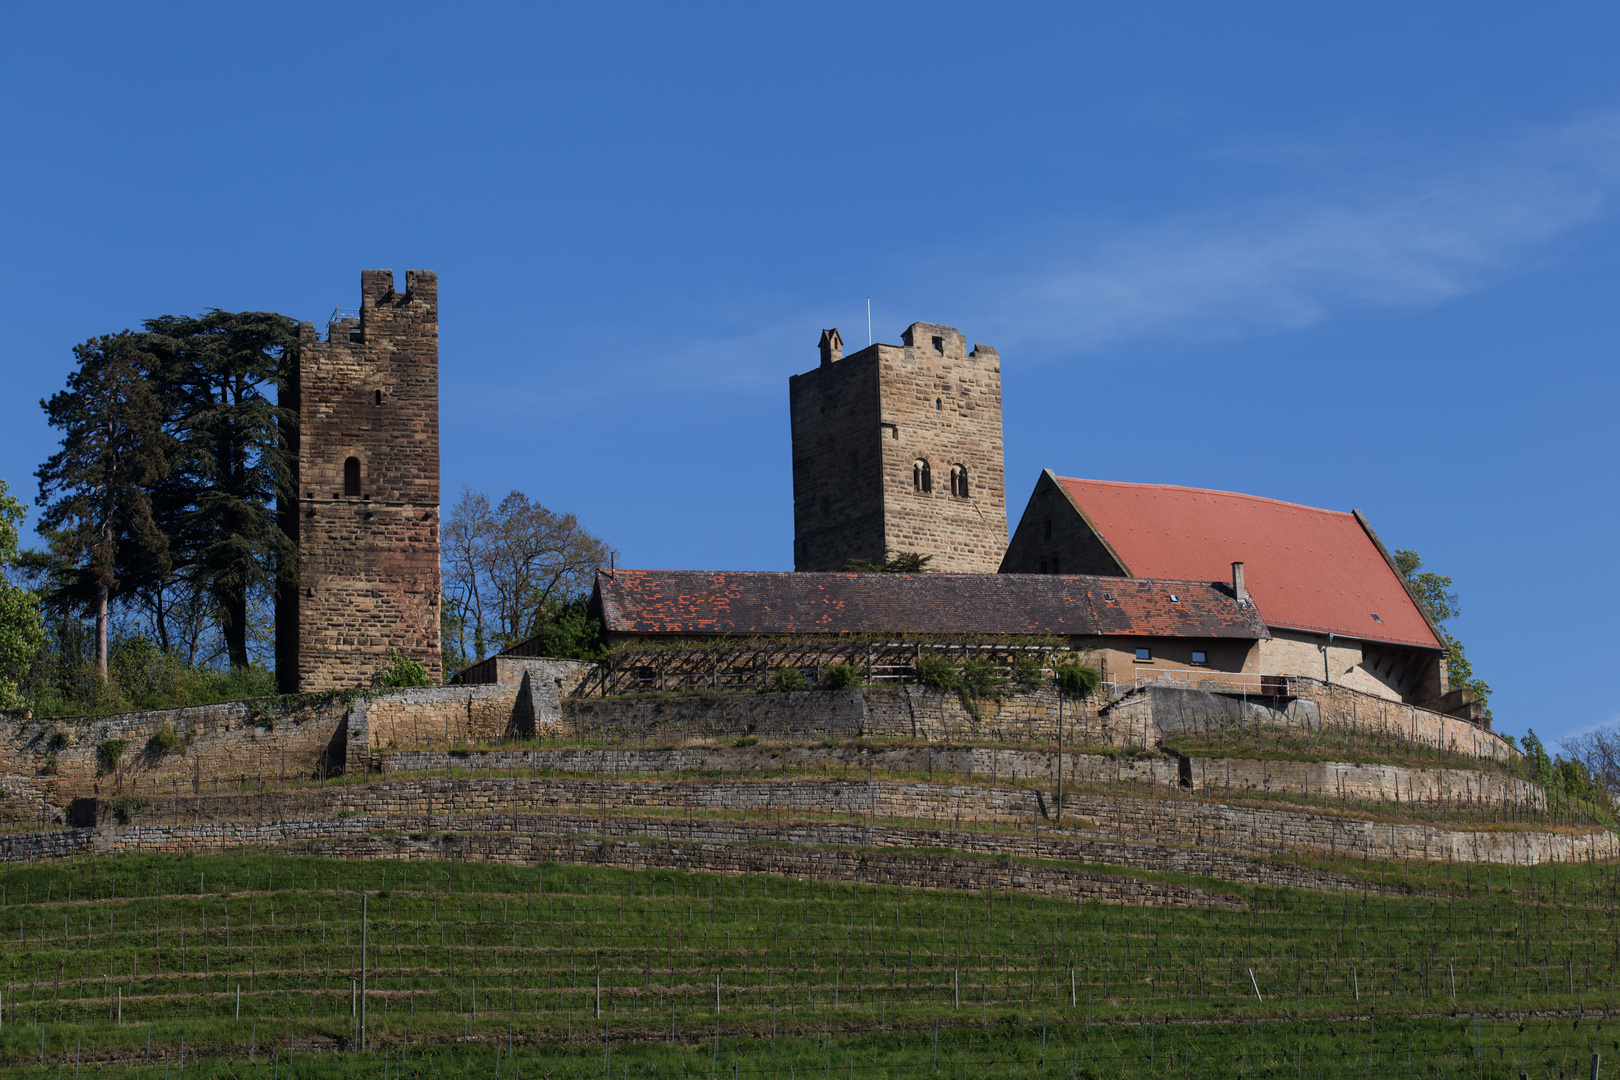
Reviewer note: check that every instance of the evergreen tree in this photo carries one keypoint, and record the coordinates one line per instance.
(97, 510)
(216, 374)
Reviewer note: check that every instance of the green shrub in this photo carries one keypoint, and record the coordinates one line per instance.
(788, 679)
(1077, 679)
(746, 740)
(165, 742)
(58, 739)
(125, 807)
(982, 677)
(840, 677)
(108, 753)
(401, 672)
(1027, 671)
(937, 672)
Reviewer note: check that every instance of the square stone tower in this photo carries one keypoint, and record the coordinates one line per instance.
(898, 448)
(366, 517)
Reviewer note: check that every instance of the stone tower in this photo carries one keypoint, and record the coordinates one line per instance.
(899, 449)
(366, 519)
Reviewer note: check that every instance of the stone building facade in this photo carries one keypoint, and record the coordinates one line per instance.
(898, 448)
(366, 517)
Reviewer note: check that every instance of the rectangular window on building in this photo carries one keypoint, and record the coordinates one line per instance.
(1200, 656)
(1043, 566)
(1144, 654)
(1055, 569)
(1046, 529)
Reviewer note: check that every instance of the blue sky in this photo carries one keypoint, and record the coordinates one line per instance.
(1361, 257)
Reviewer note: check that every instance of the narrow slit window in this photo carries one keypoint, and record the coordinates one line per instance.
(351, 477)
(1046, 529)
(379, 397)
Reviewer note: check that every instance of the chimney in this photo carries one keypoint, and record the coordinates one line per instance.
(832, 347)
(1239, 589)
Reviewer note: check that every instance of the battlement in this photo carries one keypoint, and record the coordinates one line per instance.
(367, 478)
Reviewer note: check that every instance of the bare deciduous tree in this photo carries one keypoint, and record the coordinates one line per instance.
(504, 566)
(1599, 752)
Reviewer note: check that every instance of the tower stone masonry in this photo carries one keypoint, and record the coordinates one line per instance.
(366, 515)
(898, 448)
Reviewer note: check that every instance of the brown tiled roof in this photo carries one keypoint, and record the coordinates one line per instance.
(1308, 569)
(698, 602)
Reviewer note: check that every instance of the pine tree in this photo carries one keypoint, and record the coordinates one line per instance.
(97, 510)
(216, 374)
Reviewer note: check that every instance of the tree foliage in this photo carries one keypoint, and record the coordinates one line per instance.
(215, 375)
(1598, 752)
(514, 571)
(20, 632)
(899, 562)
(1434, 596)
(95, 490)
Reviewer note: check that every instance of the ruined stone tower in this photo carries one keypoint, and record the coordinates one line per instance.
(366, 518)
(899, 449)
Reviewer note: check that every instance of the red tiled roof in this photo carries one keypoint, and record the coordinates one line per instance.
(694, 602)
(1307, 569)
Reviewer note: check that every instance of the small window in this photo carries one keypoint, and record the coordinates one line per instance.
(1108, 597)
(939, 345)
(1055, 569)
(1200, 656)
(922, 480)
(351, 476)
(379, 397)
(1174, 599)
(1043, 566)
(1046, 529)
(1376, 618)
(939, 403)
(354, 335)
(959, 481)
(1144, 654)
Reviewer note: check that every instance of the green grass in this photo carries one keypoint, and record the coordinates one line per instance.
(1343, 975)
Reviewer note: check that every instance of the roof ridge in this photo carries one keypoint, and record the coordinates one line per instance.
(1207, 491)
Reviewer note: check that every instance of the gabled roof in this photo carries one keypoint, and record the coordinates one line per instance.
(1308, 569)
(694, 602)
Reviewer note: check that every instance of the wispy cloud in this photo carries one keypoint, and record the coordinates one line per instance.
(1382, 237)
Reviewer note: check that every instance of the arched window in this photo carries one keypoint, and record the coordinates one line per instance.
(959, 481)
(921, 481)
(351, 476)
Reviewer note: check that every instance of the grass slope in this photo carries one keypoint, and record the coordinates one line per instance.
(477, 969)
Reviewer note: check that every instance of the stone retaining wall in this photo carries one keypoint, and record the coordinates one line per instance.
(900, 712)
(1319, 780)
(956, 808)
(722, 850)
